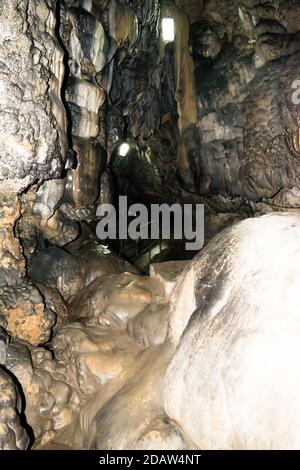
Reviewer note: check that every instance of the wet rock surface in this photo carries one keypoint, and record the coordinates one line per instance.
(56, 268)
(131, 356)
(13, 436)
(129, 347)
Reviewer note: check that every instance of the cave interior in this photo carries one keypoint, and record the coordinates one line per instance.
(137, 342)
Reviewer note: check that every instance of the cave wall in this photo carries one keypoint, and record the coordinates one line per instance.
(246, 56)
(78, 76)
(33, 147)
(61, 98)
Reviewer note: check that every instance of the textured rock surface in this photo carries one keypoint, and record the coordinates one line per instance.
(54, 302)
(13, 436)
(245, 143)
(33, 148)
(237, 358)
(101, 368)
(33, 119)
(25, 313)
(89, 50)
(56, 268)
(82, 187)
(166, 275)
(49, 387)
(150, 326)
(161, 435)
(102, 385)
(113, 300)
(12, 266)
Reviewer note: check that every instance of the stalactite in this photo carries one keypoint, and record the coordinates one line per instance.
(88, 48)
(185, 92)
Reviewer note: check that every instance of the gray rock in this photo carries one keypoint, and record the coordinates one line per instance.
(234, 380)
(13, 436)
(32, 117)
(56, 268)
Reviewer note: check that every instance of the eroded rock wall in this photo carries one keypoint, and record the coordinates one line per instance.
(33, 118)
(33, 146)
(247, 57)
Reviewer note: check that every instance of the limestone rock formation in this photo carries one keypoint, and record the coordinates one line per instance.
(237, 328)
(26, 316)
(33, 146)
(105, 357)
(89, 51)
(113, 299)
(166, 275)
(245, 144)
(49, 388)
(13, 435)
(161, 435)
(56, 268)
(33, 118)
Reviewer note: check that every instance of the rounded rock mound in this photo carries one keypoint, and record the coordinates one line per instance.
(234, 381)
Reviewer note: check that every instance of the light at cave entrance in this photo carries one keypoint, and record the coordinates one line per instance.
(168, 29)
(124, 149)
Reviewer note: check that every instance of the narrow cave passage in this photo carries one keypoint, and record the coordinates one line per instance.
(149, 229)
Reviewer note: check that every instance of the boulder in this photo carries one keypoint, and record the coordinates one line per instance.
(234, 380)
